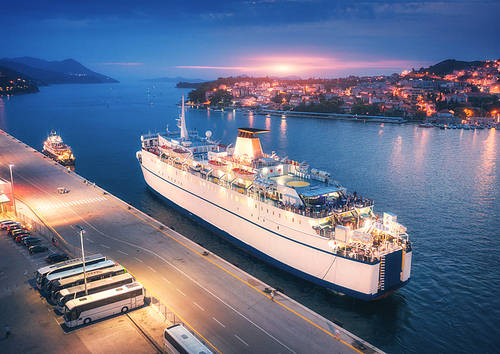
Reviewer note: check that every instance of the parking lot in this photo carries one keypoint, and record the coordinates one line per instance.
(36, 328)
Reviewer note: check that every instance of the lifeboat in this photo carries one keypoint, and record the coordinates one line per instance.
(216, 165)
(180, 152)
(242, 173)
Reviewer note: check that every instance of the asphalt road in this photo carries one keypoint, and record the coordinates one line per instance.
(224, 305)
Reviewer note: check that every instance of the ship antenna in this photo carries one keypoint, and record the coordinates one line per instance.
(184, 132)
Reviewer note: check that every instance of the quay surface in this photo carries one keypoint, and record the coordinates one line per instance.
(228, 308)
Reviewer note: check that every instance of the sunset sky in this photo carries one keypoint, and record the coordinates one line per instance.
(207, 39)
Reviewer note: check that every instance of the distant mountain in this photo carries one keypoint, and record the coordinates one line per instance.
(184, 84)
(175, 79)
(12, 82)
(45, 72)
(448, 66)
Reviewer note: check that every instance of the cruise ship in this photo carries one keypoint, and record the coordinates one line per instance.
(56, 149)
(282, 211)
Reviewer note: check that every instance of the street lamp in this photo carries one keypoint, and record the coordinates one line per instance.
(12, 189)
(82, 230)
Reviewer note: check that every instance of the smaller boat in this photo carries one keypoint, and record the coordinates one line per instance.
(425, 125)
(216, 165)
(242, 173)
(57, 150)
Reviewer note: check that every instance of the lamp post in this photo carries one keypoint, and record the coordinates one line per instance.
(12, 189)
(82, 231)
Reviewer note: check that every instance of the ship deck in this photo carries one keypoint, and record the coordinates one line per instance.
(307, 187)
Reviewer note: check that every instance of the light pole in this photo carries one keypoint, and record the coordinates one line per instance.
(12, 189)
(82, 231)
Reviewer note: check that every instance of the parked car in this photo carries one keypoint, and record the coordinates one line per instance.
(21, 237)
(38, 249)
(56, 257)
(14, 232)
(11, 226)
(31, 241)
(6, 223)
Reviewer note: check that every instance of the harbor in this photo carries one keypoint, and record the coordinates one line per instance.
(226, 307)
(440, 183)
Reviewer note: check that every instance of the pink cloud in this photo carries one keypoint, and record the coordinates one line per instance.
(123, 63)
(308, 65)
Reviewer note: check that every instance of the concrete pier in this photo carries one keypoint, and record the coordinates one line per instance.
(227, 308)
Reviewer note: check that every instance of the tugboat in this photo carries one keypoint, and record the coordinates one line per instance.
(54, 148)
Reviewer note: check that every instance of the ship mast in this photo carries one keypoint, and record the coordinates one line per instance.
(184, 132)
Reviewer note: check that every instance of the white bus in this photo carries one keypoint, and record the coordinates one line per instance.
(84, 310)
(52, 278)
(178, 339)
(74, 292)
(79, 279)
(43, 272)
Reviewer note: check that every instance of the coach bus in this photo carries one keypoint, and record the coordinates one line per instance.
(84, 310)
(79, 279)
(52, 278)
(42, 273)
(178, 339)
(74, 292)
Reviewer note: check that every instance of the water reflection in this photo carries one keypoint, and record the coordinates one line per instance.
(283, 128)
(268, 123)
(486, 169)
(421, 147)
(3, 123)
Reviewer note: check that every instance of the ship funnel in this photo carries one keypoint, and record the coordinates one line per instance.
(248, 144)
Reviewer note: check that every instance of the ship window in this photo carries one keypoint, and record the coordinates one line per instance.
(267, 211)
(293, 220)
(279, 215)
(273, 212)
(255, 206)
(278, 227)
(300, 221)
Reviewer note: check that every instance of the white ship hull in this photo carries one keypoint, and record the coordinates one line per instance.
(279, 237)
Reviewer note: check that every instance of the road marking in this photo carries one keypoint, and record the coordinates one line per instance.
(218, 322)
(152, 269)
(168, 281)
(180, 292)
(105, 246)
(126, 254)
(198, 306)
(241, 340)
(138, 259)
(89, 240)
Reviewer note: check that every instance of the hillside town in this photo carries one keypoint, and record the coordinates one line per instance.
(12, 83)
(450, 92)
